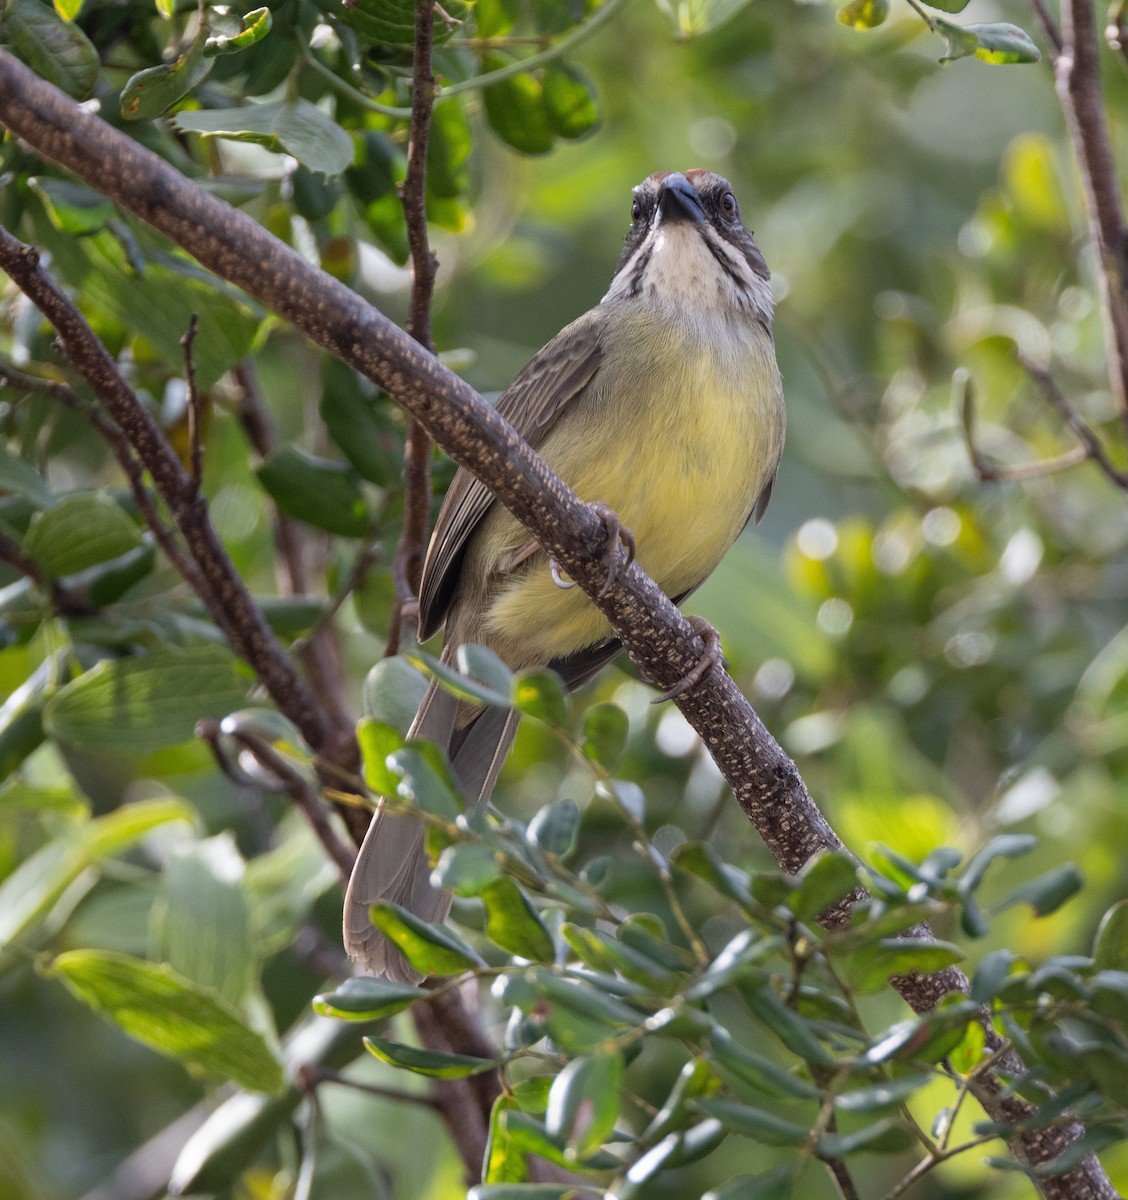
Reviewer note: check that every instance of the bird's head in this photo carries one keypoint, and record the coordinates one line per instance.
(687, 247)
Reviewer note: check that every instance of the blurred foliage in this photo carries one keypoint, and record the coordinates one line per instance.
(946, 659)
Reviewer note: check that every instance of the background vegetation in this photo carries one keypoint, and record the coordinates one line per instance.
(938, 645)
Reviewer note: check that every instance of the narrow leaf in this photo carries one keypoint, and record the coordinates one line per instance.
(428, 1062)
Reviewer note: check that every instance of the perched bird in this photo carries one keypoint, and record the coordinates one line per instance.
(664, 404)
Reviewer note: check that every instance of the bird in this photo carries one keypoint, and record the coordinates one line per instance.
(663, 406)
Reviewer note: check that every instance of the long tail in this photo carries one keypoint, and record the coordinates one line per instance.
(392, 863)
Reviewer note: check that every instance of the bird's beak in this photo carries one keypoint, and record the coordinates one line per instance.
(677, 201)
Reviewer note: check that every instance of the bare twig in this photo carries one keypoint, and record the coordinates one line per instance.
(368, 553)
(1078, 74)
(195, 432)
(764, 780)
(1090, 444)
(1049, 25)
(311, 1077)
(289, 780)
(407, 566)
(214, 577)
(987, 470)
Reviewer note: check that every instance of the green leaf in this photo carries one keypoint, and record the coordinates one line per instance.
(55, 49)
(32, 890)
(392, 22)
(696, 1079)
(822, 883)
(466, 868)
(1048, 892)
(541, 694)
(1002, 43)
(393, 691)
(505, 1162)
(359, 425)
(775, 1184)
(256, 25)
(994, 43)
(948, 6)
(522, 1191)
(19, 476)
(107, 582)
(870, 968)
(569, 101)
(755, 1123)
(885, 1094)
(432, 949)
(320, 492)
(143, 704)
(793, 1030)
(701, 859)
(1006, 845)
(448, 151)
(1110, 946)
(294, 127)
(425, 780)
(735, 1061)
(462, 686)
(990, 974)
(583, 1104)
(515, 110)
(377, 742)
(428, 1062)
(80, 531)
(201, 923)
(555, 829)
(171, 1015)
(865, 14)
(152, 92)
(692, 18)
(606, 727)
(513, 923)
(482, 664)
(887, 1136)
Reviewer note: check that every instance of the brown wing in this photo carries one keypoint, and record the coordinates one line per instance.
(531, 405)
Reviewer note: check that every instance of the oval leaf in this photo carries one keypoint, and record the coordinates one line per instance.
(428, 1062)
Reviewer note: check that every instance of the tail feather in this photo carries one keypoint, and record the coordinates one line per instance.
(392, 863)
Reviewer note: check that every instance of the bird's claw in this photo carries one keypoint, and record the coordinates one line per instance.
(711, 657)
(617, 535)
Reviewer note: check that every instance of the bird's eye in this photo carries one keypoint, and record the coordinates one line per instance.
(636, 210)
(728, 205)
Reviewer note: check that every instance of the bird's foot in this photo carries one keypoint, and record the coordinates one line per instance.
(710, 658)
(617, 535)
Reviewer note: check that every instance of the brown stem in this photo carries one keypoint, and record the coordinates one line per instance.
(195, 432)
(1078, 74)
(407, 567)
(215, 579)
(764, 780)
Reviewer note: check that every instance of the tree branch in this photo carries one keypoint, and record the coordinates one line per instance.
(407, 566)
(229, 242)
(1078, 74)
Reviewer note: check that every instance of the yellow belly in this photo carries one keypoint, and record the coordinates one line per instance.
(679, 440)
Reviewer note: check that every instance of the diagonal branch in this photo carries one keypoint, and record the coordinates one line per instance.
(764, 780)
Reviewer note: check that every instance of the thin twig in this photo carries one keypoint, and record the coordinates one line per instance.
(987, 470)
(1090, 443)
(1078, 74)
(119, 446)
(407, 566)
(1049, 26)
(311, 1077)
(195, 432)
(289, 780)
(214, 578)
(368, 553)
(926, 1165)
